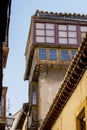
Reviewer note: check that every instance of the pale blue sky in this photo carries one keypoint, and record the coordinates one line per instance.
(21, 12)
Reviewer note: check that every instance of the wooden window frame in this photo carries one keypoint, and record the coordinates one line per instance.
(82, 107)
(67, 58)
(45, 36)
(41, 54)
(54, 56)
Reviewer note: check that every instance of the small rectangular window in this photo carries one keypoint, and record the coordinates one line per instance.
(72, 41)
(72, 27)
(50, 39)
(62, 40)
(40, 39)
(81, 120)
(40, 25)
(62, 34)
(40, 32)
(83, 28)
(49, 32)
(42, 54)
(62, 27)
(72, 34)
(49, 26)
(34, 95)
(53, 54)
(34, 116)
(73, 54)
(64, 55)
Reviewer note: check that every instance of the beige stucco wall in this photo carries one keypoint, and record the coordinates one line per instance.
(49, 83)
(67, 119)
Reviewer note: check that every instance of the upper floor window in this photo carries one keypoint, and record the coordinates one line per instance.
(53, 54)
(73, 54)
(42, 54)
(34, 95)
(34, 115)
(64, 55)
(45, 32)
(67, 34)
(83, 30)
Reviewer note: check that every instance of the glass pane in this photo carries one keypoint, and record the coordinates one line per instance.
(42, 53)
(72, 27)
(72, 34)
(50, 39)
(40, 25)
(62, 27)
(40, 32)
(62, 40)
(49, 26)
(73, 54)
(49, 33)
(34, 96)
(83, 28)
(64, 55)
(72, 41)
(40, 39)
(62, 34)
(53, 54)
(35, 115)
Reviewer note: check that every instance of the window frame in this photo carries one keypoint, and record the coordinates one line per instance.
(83, 106)
(55, 41)
(52, 56)
(67, 37)
(73, 53)
(64, 56)
(41, 54)
(46, 35)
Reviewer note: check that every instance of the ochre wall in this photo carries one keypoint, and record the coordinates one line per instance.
(67, 118)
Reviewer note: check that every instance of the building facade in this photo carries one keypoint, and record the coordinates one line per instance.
(69, 109)
(52, 43)
(5, 7)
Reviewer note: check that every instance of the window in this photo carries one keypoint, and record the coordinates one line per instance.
(34, 115)
(42, 54)
(45, 32)
(83, 30)
(53, 54)
(73, 54)
(67, 34)
(81, 116)
(81, 120)
(34, 95)
(64, 55)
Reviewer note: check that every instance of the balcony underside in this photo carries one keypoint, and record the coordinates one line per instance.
(46, 67)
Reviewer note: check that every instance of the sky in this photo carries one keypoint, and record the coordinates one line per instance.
(21, 12)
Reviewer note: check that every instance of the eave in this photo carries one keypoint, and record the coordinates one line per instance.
(72, 78)
(56, 15)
